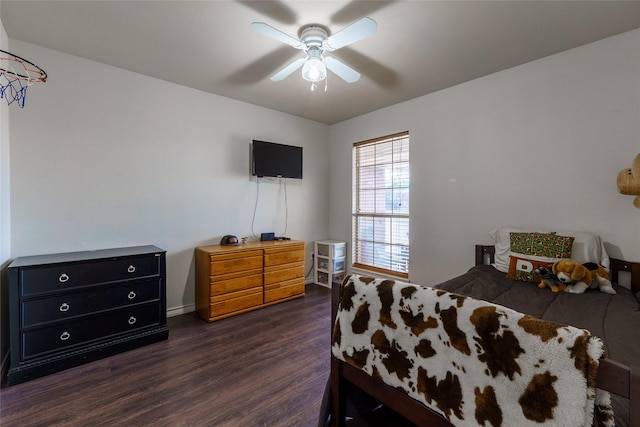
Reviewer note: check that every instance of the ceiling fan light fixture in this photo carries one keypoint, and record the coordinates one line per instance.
(314, 69)
(315, 40)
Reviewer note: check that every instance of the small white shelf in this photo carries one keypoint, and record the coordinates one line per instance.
(330, 262)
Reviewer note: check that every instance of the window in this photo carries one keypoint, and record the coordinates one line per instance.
(381, 205)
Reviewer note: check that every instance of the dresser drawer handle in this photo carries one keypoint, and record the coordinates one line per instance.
(131, 295)
(63, 278)
(65, 307)
(131, 269)
(132, 320)
(65, 336)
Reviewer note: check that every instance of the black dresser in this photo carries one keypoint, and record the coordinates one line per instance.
(72, 308)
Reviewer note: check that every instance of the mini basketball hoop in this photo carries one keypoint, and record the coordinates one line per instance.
(16, 75)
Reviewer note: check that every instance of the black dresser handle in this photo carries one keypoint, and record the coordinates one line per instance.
(65, 336)
(64, 307)
(132, 320)
(131, 295)
(63, 277)
(131, 269)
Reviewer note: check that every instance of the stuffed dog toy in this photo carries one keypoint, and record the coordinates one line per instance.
(580, 277)
(549, 279)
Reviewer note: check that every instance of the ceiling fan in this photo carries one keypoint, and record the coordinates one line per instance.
(315, 41)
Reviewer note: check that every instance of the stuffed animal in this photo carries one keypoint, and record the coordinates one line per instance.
(580, 277)
(629, 181)
(549, 279)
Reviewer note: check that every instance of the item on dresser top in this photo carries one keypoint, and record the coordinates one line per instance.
(267, 237)
(229, 240)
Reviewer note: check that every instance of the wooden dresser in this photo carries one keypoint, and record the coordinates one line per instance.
(235, 279)
(71, 308)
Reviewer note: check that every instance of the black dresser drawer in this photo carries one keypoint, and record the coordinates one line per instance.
(65, 335)
(36, 280)
(70, 308)
(61, 307)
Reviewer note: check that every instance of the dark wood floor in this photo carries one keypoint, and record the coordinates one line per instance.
(268, 367)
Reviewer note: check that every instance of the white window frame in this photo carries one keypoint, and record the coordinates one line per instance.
(380, 206)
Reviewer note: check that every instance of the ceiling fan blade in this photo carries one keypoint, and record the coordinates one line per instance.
(355, 32)
(342, 70)
(286, 71)
(275, 10)
(268, 30)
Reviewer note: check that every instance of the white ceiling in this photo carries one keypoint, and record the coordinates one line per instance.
(420, 46)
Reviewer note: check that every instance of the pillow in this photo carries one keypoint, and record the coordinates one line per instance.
(532, 250)
(522, 269)
(544, 245)
(587, 247)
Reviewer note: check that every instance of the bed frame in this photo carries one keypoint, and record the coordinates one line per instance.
(612, 376)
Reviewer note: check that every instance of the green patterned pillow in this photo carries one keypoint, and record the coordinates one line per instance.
(542, 244)
(531, 250)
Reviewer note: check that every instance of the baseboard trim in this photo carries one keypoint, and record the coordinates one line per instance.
(324, 285)
(4, 365)
(177, 311)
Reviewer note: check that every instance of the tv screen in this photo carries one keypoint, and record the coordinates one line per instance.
(276, 160)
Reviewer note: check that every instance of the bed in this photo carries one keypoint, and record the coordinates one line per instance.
(612, 319)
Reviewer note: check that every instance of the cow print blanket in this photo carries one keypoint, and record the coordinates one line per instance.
(474, 362)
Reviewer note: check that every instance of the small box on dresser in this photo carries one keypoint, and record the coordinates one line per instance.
(72, 308)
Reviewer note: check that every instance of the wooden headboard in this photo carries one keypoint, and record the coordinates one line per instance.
(485, 254)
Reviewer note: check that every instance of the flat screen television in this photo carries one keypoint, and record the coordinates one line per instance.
(276, 160)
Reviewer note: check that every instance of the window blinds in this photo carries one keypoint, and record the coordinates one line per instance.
(381, 204)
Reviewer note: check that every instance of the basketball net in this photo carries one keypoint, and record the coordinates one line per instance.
(16, 75)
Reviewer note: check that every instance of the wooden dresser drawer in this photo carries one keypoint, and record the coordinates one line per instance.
(279, 273)
(284, 289)
(235, 301)
(61, 307)
(230, 280)
(68, 334)
(37, 280)
(229, 263)
(284, 255)
(233, 282)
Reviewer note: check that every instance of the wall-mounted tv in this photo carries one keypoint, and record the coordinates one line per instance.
(276, 160)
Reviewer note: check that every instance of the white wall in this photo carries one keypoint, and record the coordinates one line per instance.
(5, 223)
(537, 145)
(102, 157)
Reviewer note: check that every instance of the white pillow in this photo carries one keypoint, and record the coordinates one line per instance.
(587, 247)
